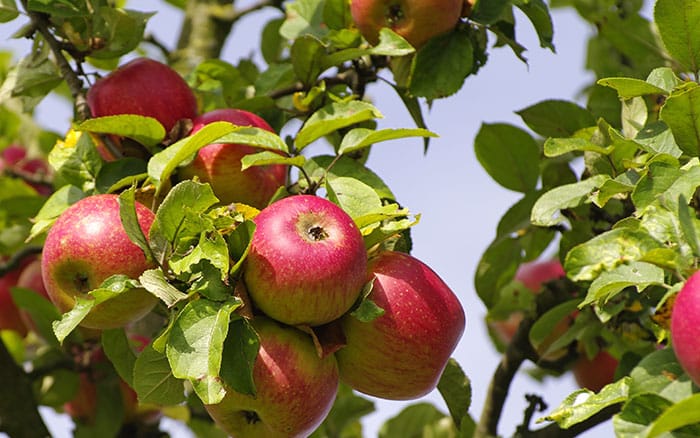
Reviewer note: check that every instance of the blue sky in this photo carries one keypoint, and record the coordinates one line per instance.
(459, 203)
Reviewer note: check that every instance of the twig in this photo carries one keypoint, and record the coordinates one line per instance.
(16, 259)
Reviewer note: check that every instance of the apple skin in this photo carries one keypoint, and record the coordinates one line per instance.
(86, 245)
(30, 278)
(401, 354)
(532, 275)
(685, 327)
(10, 317)
(220, 164)
(144, 87)
(307, 261)
(295, 388)
(593, 374)
(416, 21)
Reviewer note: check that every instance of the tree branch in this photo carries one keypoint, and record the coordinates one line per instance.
(554, 431)
(19, 415)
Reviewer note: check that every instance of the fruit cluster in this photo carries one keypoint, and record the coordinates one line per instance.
(307, 271)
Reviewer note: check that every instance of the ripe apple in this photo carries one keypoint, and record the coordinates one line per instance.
(30, 278)
(595, 373)
(295, 388)
(144, 87)
(685, 327)
(307, 261)
(401, 354)
(86, 245)
(10, 318)
(416, 21)
(220, 164)
(532, 275)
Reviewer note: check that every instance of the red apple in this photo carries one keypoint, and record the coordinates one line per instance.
(14, 159)
(10, 318)
(307, 261)
(417, 21)
(144, 87)
(295, 389)
(220, 164)
(532, 275)
(685, 327)
(595, 373)
(31, 279)
(401, 354)
(86, 245)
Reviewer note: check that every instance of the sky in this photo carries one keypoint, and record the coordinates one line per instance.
(459, 204)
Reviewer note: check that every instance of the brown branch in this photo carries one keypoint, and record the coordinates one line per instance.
(19, 416)
(554, 431)
(16, 259)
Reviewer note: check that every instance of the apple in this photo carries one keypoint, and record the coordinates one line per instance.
(86, 245)
(307, 261)
(30, 278)
(144, 87)
(416, 21)
(595, 373)
(295, 388)
(401, 354)
(14, 160)
(685, 327)
(220, 164)
(532, 275)
(10, 318)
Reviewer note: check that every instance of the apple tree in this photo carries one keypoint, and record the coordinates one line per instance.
(192, 259)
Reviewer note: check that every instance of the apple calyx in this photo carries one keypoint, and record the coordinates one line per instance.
(394, 15)
(310, 227)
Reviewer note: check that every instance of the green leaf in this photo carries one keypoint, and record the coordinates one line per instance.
(353, 196)
(318, 168)
(117, 349)
(154, 381)
(546, 208)
(681, 113)
(627, 88)
(455, 388)
(211, 247)
(657, 137)
(660, 373)
(267, 158)
(76, 164)
(538, 13)
(509, 155)
(440, 67)
(683, 413)
(554, 147)
(678, 22)
(348, 408)
(689, 225)
(154, 281)
(306, 54)
(391, 44)
(367, 311)
(418, 417)
(32, 78)
(359, 138)
(556, 118)
(162, 164)
(121, 31)
(639, 275)
(117, 175)
(638, 413)
(8, 10)
(145, 130)
(71, 319)
(496, 268)
(304, 17)
(41, 311)
(583, 404)
(130, 221)
(196, 343)
(240, 351)
(256, 137)
(332, 117)
(548, 324)
(608, 250)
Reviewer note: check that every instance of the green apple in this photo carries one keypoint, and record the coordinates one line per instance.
(307, 261)
(86, 245)
(219, 164)
(401, 354)
(295, 388)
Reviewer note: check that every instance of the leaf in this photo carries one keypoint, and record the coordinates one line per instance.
(304, 17)
(496, 268)
(660, 373)
(509, 155)
(391, 44)
(8, 10)
(353, 196)
(306, 54)
(130, 221)
(116, 346)
(117, 175)
(538, 13)
(411, 419)
(556, 118)
(196, 343)
(635, 274)
(440, 67)
(359, 138)
(546, 208)
(455, 388)
(32, 78)
(681, 113)
(683, 413)
(145, 130)
(320, 167)
(678, 22)
(267, 158)
(154, 381)
(554, 147)
(41, 311)
(120, 30)
(367, 311)
(627, 88)
(345, 414)
(238, 358)
(606, 251)
(688, 222)
(332, 117)
(77, 163)
(256, 137)
(639, 411)
(154, 281)
(583, 404)
(162, 164)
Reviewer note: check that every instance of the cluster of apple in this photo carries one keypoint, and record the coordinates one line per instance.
(307, 269)
(591, 373)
